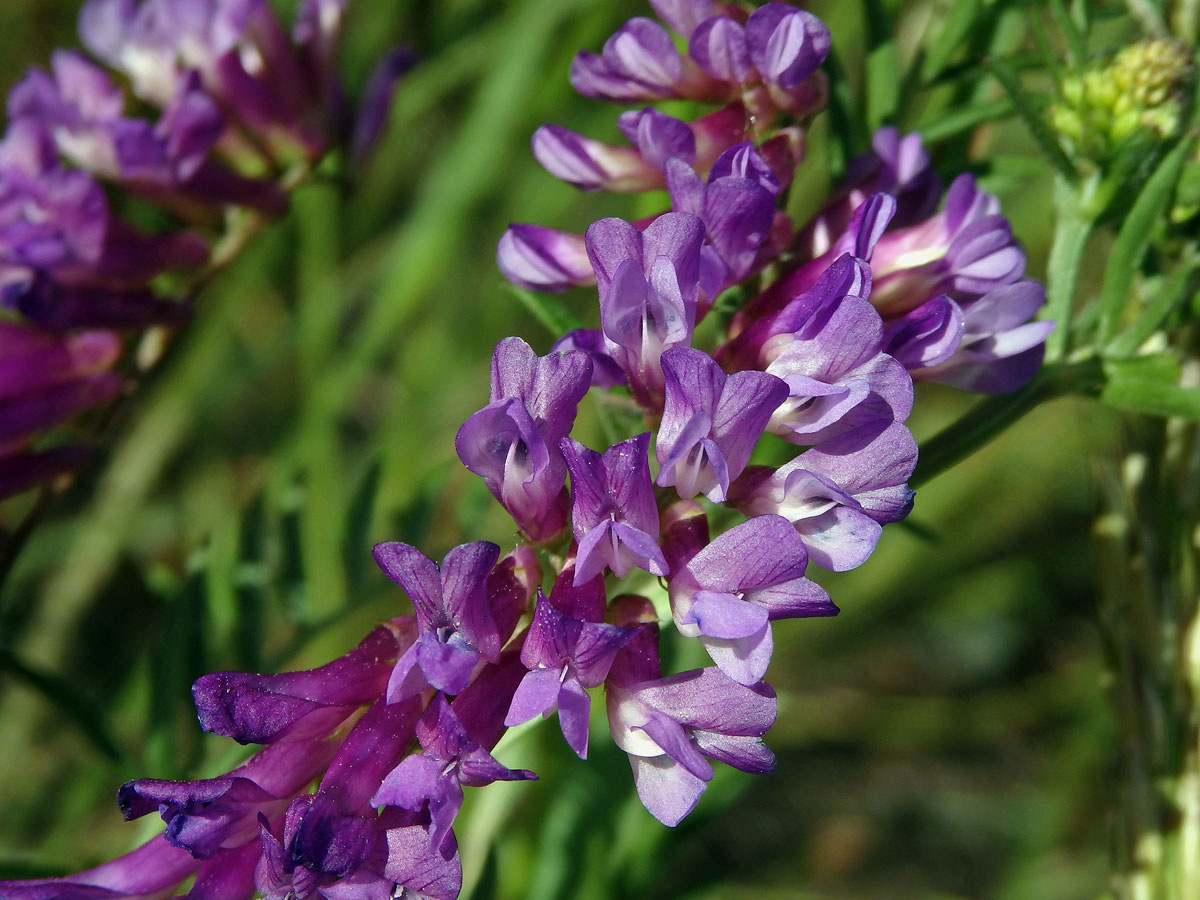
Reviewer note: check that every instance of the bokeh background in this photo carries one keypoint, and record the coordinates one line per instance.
(946, 736)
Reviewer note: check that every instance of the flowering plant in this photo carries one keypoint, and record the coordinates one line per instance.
(749, 382)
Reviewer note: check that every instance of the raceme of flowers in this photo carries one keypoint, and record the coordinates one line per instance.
(877, 290)
(239, 109)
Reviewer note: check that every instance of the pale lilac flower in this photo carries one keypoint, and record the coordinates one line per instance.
(837, 495)
(926, 336)
(1001, 347)
(729, 592)
(543, 259)
(671, 726)
(838, 377)
(968, 247)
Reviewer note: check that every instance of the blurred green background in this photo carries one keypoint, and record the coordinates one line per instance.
(946, 736)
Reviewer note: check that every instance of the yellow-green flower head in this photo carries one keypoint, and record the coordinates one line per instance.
(1141, 92)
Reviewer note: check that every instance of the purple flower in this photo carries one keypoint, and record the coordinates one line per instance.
(898, 166)
(638, 63)
(711, 422)
(837, 375)
(458, 625)
(668, 726)
(648, 283)
(1001, 348)
(451, 759)
(542, 259)
(260, 709)
(564, 655)
(737, 206)
(594, 166)
(150, 871)
(837, 495)
(605, 371)
(968, 247)
(284, 91)
(45, 379)
(513, 442)
(925, 336)
(211, 814)
(728, 593)
(774, 323)
(614, 514)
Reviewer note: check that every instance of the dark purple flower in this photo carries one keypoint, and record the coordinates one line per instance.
(45, 379)
(148, 872)
(513, 442)
(377, 98)
(649, 283)
(451, 759)
(837, 495)
(614, 514)
(457, 625)
(728, 593)
(542, 259)
(564, 655)
(710, 423)
(212, 814)
(260, 709)
(1001, 347)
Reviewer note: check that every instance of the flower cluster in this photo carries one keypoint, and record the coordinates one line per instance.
(238, 112)
(813, 381)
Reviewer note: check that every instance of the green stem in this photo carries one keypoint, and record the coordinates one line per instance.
(994, 415)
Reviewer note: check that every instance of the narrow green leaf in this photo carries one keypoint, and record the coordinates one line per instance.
(250, 589)
(884, 73)
(965, 119)
(68, 700)
(957, 27)
(1134, 237)
(1171, 294)
(549, 312)
(844, 139)
(358, 525)
(1072, 228)
(1032, 116)
(1076, 42)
